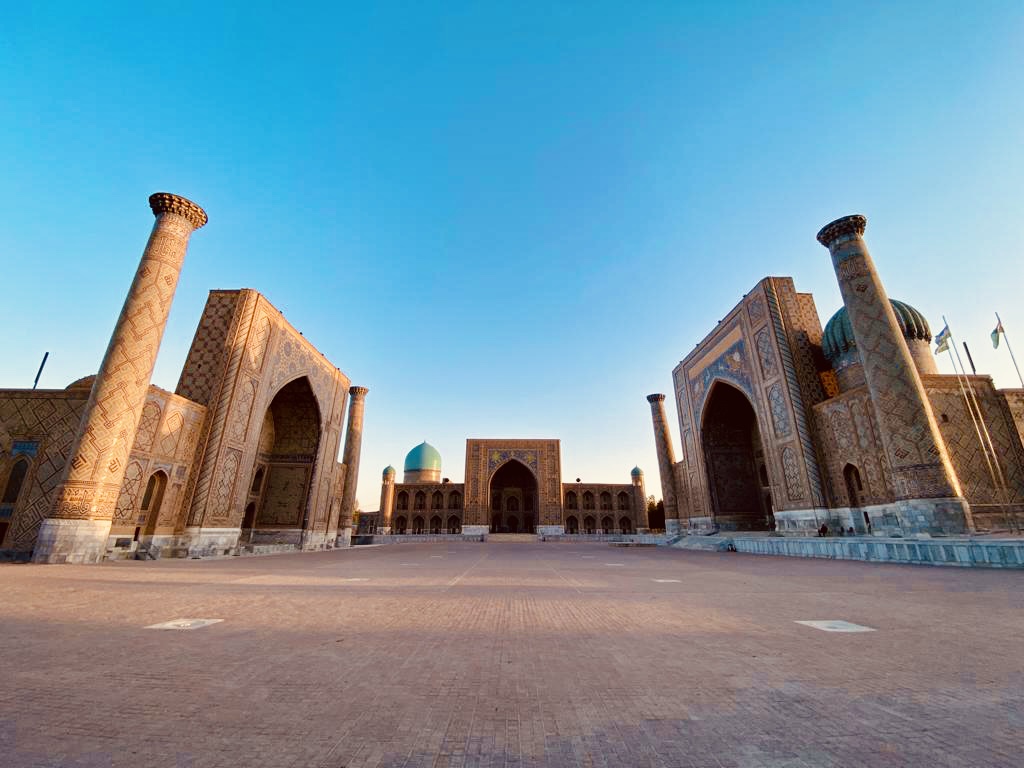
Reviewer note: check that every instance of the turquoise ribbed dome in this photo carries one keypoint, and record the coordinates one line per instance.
(423, 456)
(636, 472)
(389, 470)
(838, 336)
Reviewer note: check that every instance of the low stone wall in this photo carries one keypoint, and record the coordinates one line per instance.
(419, 538)
(413, 538)
(964, 552)
(638, 538)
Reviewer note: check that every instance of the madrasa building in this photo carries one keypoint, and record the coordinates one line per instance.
(788, 427)
(242, 455)
(511, 487)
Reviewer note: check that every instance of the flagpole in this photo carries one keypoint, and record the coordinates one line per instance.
(999, 324)
(986, 442)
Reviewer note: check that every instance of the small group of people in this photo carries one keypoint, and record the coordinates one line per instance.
(839, 531)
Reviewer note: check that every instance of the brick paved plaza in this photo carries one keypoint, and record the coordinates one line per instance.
(458, 654)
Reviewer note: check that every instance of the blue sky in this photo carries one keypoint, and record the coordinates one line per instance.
(506, 220)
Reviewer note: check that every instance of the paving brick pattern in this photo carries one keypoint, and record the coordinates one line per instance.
(526, 655)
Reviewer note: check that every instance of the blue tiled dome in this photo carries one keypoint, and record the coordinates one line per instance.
(636, 472)
(389, 471)
(423, 456)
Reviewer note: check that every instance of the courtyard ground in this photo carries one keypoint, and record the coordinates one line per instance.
(460, 654)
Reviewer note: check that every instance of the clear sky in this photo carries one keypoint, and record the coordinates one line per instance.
(506, 220)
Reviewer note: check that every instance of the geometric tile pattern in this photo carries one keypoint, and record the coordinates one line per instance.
(246, 358)
(547, 471)
(987, 487)
(52, 418)
(666, 455)
(353, 443)
(115, 405)
(909, 433)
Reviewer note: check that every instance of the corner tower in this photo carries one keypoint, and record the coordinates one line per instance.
(928, 494)
(79, 521)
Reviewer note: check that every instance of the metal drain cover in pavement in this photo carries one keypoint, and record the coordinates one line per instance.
(835, 625)
(185, 624)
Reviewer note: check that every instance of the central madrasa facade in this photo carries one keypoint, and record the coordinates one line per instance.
(511, 487)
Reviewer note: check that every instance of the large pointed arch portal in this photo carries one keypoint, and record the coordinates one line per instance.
(287, 452)
(513, 495)
(735, 461)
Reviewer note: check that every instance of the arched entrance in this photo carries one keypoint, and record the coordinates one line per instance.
(513, 498)
(732, 449)
(287, 448)
(12, 490)
(248, 520)
(854, 489)
(152, 499)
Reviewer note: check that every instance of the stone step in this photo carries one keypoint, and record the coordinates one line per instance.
(516, 538)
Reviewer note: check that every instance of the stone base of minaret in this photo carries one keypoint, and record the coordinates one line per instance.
(673, 528)
(62, 540)
(386, 531)
(344, 538)
(949, 515)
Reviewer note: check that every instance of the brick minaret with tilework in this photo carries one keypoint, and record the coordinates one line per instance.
(640, 500)
(666, 462)
(387, 500)
(928, 494)
(78, 526)
(350, 458)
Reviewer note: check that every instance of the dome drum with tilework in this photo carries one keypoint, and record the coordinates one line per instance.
(840, 346)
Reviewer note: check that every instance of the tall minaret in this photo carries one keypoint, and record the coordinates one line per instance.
(640, 500)
(928, 494)
(78, 525)
(350, 457)
(666, 463)
(387, 500)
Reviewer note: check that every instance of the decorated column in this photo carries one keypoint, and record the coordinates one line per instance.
(666, 462)
(643, 524)
(928, 494)
(387, 500)
(350, 458)
(78, 525)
